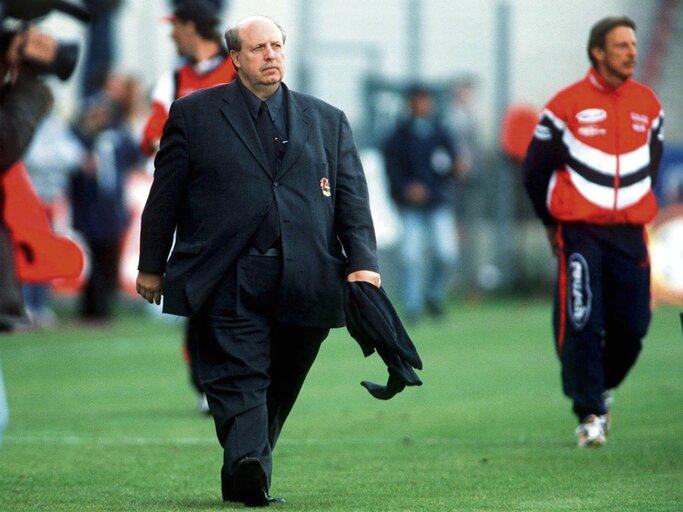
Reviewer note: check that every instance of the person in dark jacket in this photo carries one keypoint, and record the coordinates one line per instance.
(420, 158)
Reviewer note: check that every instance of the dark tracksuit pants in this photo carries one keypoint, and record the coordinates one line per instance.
(602, 308)
(251, 367)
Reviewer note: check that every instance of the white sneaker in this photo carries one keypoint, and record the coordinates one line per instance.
(592, 431)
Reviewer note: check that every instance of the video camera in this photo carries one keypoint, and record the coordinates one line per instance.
(24, 12)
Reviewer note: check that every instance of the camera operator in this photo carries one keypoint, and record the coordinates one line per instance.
(26, 53)
(24, 101)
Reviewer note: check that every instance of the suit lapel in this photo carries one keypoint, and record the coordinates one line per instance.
(235, 110)
(299, 129)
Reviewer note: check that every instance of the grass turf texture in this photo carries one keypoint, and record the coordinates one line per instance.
(104, 420)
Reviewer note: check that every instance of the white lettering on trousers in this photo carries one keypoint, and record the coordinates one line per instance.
(579, 303)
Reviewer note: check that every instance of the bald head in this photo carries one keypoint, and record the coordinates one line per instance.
(232, 34)
(257, 51)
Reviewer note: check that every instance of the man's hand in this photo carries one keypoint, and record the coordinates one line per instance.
(551, 233)
(365, 275)
(150, 286)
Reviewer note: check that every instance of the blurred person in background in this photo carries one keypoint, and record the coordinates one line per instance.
(206, 64)
(265, 193)
(421, 164)
(589, 172)
(97, 198)
(460, 118)
(128, 91)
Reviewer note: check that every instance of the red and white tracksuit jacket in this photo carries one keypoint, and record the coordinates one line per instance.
(182, 81)
(595, 154)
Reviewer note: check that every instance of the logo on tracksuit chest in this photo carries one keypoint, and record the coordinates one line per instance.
(580, 296)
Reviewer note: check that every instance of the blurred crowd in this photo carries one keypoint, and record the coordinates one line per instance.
(90, 174)
(90, 170)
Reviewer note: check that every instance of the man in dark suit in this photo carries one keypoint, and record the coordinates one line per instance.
(266, 195)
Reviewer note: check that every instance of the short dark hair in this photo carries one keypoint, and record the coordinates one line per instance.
(234, 41)
(598, 34)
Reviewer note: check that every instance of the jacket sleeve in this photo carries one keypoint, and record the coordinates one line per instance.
(353, 220)
(544, 155)
(656, 147)
(22, 106)
(162, 210)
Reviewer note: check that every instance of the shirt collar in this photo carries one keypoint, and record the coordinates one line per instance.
(599, 82)
(275, 102)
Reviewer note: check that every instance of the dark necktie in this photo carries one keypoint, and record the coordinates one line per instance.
(268, 232)
(266, 132)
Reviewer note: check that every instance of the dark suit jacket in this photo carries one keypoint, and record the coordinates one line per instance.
(212, 186)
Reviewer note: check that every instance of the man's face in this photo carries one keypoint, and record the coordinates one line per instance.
(421, 105)
(617, 61)
(261, 61)
(184, 35)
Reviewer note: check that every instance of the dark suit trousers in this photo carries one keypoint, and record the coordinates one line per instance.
(251, 367)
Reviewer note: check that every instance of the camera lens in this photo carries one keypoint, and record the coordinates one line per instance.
(63, 64)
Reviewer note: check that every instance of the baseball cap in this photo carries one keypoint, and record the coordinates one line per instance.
(201, 12)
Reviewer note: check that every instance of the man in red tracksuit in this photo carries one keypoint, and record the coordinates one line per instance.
(589, 172)
(208, 64)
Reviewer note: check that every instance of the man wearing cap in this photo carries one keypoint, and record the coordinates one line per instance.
(196, 38)
(266, 194)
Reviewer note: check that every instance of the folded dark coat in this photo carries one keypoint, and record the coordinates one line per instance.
(373, 322)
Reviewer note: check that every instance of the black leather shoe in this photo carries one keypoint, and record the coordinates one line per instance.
(250, 483)
(273, 499)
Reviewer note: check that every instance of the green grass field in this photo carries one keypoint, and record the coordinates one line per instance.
(104, 419)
